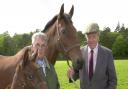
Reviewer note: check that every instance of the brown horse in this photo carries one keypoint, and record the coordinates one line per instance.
(63, 38)
(27, 75)
(7, 67)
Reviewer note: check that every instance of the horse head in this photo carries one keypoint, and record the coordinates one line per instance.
(63, 38)
(27, 74)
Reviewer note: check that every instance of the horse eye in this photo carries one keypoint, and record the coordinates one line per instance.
(63, 31)
(30, 77)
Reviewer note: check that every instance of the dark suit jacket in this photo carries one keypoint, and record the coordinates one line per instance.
(51, 78)
(104, 76)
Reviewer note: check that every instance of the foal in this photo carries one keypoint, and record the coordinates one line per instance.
(27, 75)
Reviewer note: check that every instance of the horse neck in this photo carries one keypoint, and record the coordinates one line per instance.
(52, 45)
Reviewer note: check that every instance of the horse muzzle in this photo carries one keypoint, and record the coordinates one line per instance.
(77, 64)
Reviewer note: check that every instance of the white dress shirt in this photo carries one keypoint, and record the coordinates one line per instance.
(42, 64)
(95, 52)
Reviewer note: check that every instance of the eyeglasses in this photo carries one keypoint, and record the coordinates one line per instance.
(40, 46)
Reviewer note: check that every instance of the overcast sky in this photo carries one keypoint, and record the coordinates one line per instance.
(22, 16)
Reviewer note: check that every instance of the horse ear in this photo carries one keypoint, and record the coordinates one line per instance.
(61, 11)
(33, 56)
(25, 58)
(71, 11)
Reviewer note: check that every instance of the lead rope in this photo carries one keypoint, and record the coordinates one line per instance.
(74, 82)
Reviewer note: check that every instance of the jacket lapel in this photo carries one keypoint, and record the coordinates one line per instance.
(47, 64)
(85, 69)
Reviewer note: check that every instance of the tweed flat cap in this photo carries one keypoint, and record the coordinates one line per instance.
(92, 28)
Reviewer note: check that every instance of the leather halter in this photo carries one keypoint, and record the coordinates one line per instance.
(66, 50)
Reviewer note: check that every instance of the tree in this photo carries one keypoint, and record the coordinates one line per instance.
(1, 44)
(6, 44)
(81, 37)
(21, 40)
(122, 29)
(26, 39)
(106, 29)
(120, 47)
(117, 27)
(108, 38)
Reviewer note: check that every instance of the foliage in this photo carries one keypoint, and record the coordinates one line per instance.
(108, 38)
(81, 37)
(116, 41)
(5, 43)
(117, 27)
(10, 45)
(1, 44)
(120, 47)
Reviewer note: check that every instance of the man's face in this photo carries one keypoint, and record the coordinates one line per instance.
(41, 45)
(92, 39)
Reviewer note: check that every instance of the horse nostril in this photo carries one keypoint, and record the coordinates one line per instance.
(78, 62)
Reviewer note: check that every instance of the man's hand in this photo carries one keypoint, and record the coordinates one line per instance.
(70, 72)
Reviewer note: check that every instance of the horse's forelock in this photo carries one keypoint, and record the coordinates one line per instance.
(67, 18)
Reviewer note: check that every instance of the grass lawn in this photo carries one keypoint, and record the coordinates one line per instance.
(121, 69)
(122, 73)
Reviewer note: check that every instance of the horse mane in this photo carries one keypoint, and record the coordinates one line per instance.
(50, 23)
(66, 17)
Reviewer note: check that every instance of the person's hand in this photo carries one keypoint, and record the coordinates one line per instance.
(70, 72)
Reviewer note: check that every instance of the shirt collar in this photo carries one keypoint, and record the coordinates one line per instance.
(44, 62)
(94, 50)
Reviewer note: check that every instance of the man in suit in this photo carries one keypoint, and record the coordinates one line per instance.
(98, 71)
(39, 44)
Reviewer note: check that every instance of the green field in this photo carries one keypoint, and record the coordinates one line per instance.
(121, 69)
